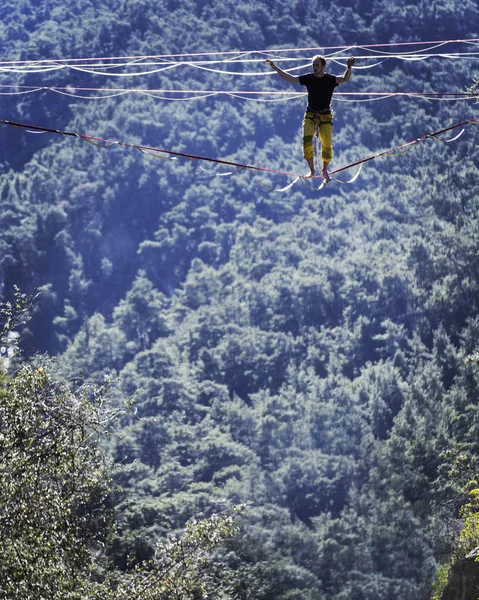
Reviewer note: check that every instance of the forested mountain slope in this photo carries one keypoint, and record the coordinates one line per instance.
(304, 352)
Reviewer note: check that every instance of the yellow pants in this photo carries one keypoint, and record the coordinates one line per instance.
(322, 123)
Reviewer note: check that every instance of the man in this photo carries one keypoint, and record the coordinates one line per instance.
(320, 86)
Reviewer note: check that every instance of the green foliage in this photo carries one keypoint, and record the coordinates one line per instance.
(179, 570)
(53, 485)
(469, 514)
(302, 352)
(464, 542)
(12, 315)
(442, 577)
(54, 518)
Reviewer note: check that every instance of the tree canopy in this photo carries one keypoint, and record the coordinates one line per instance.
(304, 353)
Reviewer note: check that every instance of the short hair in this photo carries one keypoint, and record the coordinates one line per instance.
(321, 58)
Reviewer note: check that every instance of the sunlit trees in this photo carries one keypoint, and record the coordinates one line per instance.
(53, 484)
(57, 524)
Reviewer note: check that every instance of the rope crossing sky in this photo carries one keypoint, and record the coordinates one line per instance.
(251, 169)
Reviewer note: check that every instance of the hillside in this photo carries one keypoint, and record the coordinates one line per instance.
(303, 352)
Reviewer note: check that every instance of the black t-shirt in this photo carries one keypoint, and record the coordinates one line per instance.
(320, 90)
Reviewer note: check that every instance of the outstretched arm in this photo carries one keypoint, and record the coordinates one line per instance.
(347, 73)
(283, 74)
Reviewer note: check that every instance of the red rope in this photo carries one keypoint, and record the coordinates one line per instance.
(231, 163)
(149, 148)
(402, 146)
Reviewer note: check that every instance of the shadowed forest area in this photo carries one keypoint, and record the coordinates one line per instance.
(309, 356)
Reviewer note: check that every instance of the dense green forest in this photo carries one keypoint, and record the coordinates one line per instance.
(308, 355)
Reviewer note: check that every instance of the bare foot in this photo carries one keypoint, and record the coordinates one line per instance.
(326, 176)
(309, 175)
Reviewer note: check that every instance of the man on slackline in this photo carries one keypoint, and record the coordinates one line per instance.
(318, 115)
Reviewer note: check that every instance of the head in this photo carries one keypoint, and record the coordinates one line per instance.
(319, 62)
